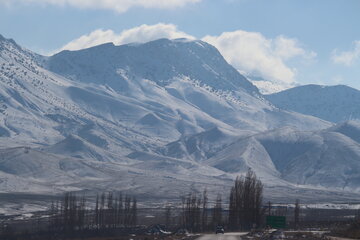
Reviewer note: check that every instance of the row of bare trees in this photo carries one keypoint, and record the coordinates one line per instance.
(75, 213)
(196, 215)
(245, 203)
(245, 207)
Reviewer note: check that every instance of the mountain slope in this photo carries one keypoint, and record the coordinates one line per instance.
(331, 103)
(165, 114)
(160, 61)
(350, 129)
(201, 146)
(325, 159)
(176, 78)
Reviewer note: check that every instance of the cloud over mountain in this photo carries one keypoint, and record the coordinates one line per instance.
(140, 34)
(249, 52)
(254, 53)
(346, 57)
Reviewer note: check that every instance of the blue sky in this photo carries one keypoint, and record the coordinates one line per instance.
(286, 42)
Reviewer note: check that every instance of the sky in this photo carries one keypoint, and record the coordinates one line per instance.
(284, 42)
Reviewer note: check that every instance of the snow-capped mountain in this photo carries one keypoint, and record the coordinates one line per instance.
(332, 103)
(162, 61)
(266, 86)
(150, 118)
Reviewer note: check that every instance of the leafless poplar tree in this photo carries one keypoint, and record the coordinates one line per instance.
(245, 203)
(297, 213)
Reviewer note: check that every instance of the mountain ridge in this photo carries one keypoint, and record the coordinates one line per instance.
(332, 103)
(147, 115)
(149, 56)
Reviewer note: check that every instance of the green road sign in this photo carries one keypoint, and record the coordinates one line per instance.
(276, 221)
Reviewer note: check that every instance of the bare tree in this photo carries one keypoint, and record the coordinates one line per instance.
(109, 213)
(134, 212)
(217, 211)
(120, 211)
(102, 211)
(192, 212)
(258, 210)
(127, 211)
(204, 218)
(297, 213)
(168, 216)
(233, 212)
(245, 203)
(97, 212)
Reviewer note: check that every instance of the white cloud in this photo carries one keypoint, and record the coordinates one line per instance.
(96, 37)
(255, 54)
(143, 33)
(117, 5)
(287, 48)
(348, 57)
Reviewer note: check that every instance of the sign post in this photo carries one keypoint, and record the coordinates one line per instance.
(276, 221)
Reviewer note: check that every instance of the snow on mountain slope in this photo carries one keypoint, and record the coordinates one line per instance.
(147, 118)
(74, 146)
(326, 158)
(31, 171)
(332, 103)
(40, 107)
(287, 157)
(202, 146)
(335, 163)
(159, 61)
(242, 155)
(28, 170)
(265, 86)
(179, 79)
(24, 96)
(350, 129)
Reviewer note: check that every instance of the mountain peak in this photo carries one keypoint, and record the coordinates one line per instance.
(183, 42)
(8, 40)
(100, 47)
(317, 87)
(332, 103)
(161, 61)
